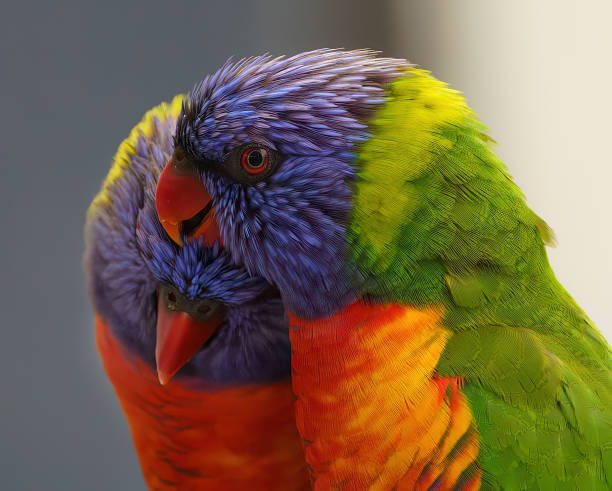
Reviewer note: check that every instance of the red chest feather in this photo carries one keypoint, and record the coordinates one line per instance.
(238, 438)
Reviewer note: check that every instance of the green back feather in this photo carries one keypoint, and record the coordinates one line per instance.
(438, 220)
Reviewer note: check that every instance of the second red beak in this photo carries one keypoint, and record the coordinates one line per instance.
(179, 337)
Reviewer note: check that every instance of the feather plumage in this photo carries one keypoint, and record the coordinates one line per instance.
(401, 203)
(225, 421)
(457, 232)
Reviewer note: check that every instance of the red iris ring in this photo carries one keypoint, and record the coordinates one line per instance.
(244, 160)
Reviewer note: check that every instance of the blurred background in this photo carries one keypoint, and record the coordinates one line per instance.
(76, 76)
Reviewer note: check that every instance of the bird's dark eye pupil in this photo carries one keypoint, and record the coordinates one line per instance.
(171, 297)
(255, 159)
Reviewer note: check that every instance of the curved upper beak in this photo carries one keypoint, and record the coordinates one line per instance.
(180, 335)
(183, 204)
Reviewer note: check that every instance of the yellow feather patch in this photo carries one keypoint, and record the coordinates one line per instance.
(126, 149)
(406, 131)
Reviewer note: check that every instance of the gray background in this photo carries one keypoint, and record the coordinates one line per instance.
(75, 77)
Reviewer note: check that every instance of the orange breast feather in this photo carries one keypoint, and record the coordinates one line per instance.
(237, 438)
(371, 410)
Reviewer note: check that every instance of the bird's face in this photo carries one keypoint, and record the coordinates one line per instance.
(178, 305)
(264, 161)
(200, 294)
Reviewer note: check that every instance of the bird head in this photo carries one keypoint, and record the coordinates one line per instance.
(182, 307)
(263, 159)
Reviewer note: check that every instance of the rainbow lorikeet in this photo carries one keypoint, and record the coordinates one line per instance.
(432, 346)
(225, 421)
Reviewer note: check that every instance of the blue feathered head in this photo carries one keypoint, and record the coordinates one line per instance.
(272, 142)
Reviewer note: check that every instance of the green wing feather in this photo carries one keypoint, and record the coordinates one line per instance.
(438, 220)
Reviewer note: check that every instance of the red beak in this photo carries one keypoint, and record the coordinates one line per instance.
(184, 206)
(179, 337)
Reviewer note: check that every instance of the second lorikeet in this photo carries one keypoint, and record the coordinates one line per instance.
(432, 346)
(225, 421)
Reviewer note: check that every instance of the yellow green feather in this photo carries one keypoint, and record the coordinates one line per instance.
(384, 194)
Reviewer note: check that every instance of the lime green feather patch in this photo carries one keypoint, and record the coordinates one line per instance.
(385, 194)
(431, 190)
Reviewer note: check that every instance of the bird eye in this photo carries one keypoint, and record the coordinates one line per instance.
(250, 163)
(255, 160)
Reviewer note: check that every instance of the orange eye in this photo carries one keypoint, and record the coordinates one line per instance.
(255, 159)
